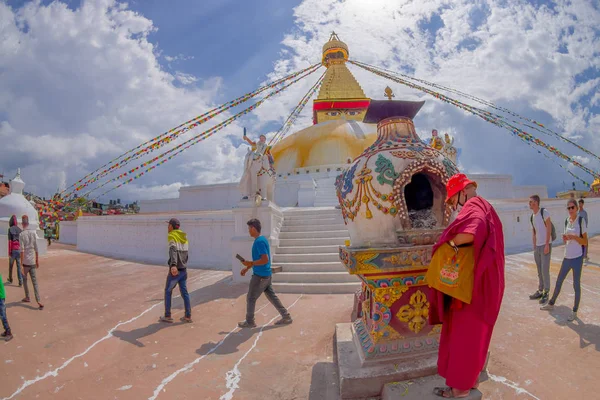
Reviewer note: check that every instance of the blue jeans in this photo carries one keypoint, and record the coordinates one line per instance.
(172, 281)
(568, 264)
(15, 256)
(3, 315)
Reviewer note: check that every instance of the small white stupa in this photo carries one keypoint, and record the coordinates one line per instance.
(16, 204)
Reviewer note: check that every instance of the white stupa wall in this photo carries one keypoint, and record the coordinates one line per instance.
(68, 232)
(143, 238)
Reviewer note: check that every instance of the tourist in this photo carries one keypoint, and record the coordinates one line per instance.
(178, 258)
(29, 260)
(575, 238)
(583, 213)
(4, 189)
(467, 328)
(7, 335)
(542, 247)
(261, 278)
(14, 253)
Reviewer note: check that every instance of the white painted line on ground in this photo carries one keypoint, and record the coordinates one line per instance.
(511, 384)
(233, 376)
(55, 372)
(189, 366)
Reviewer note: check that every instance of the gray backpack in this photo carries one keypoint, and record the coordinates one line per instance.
(553, 231)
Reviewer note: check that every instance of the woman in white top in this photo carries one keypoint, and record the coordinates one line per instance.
(575, 237)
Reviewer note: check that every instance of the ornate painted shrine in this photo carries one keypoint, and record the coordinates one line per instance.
(393, 202)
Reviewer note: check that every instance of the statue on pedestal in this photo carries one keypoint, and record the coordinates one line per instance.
(448, 148)
(436, 142)
(259, 172)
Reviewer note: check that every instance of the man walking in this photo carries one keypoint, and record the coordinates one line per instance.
(261, 278)
(14, 249)
(542, 247)
(29, 260)
(7, 335)
(583, 214)
(178, 258)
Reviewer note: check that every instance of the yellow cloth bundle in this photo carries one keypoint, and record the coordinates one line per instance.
(452, 272)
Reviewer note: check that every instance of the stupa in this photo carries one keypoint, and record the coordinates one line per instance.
(339, 133)
(16, 204)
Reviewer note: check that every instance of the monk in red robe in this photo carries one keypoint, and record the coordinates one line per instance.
(467, 328)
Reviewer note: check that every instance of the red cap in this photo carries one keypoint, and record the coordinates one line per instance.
(457, 183)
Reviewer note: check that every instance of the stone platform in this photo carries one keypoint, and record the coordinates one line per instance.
(419, 389)
(358, 381)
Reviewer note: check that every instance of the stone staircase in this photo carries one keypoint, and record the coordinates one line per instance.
(308, 253)
(325, 193)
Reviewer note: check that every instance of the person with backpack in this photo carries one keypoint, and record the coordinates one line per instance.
(575, 238)
(544, 234)
(583, 214)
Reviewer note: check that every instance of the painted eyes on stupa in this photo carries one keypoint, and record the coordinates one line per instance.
(338, 113)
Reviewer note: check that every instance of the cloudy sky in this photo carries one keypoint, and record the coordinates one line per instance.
(83, 81)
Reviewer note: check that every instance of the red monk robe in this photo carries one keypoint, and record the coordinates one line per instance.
(467, 328)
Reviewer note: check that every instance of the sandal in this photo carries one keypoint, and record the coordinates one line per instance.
(166, 319)
(26, 300)
(448, 393)
(186, 319)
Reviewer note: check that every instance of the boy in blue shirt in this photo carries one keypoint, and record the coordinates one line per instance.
(261, 278)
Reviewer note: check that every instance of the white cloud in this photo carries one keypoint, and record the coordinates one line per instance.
(80, 87)
(505, 52)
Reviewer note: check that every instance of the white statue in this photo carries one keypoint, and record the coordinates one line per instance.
(259, 174)
(449, 150)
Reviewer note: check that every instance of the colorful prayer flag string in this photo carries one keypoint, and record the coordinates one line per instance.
(162, 158)
(172, 134)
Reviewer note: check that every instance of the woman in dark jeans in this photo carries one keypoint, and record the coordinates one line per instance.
(575, 237)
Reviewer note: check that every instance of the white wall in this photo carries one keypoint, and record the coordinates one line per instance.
(68, 232)
(517, 226)
(159, 205)
(143, 238)
(223, 196)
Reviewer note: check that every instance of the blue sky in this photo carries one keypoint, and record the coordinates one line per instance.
(84, 80)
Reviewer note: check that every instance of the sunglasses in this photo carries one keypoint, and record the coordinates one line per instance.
(571, 208)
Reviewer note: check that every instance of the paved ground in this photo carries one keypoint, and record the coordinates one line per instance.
(99, 338)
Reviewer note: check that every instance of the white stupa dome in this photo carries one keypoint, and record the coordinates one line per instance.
(16, 204)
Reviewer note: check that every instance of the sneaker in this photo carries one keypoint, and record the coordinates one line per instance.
(166, 319)
(285, 321)
(572, 317)
(7, 335)
(246, 324)
(40, 306)
(26, 300)
(187, 320)
(544, 298)
(538, 294)
(547, 307)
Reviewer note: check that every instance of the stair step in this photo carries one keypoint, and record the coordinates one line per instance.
(308, 210)
(333, 266)
(317, 288)
(326, 241)
(314, 257)
(315, 216)
(314, 221)
(341, 233)
(307, 249)
(314, 277)
(313, 228)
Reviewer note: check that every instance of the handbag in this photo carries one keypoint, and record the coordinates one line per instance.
(452, 272)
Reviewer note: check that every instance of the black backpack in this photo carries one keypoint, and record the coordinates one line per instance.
(553, 230)
(580, 218)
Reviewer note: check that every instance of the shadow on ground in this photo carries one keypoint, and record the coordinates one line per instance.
(325, 381)
(589, 334)
(232, 343)
(218, 290)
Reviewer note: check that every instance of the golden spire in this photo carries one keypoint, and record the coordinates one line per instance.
(339, 83)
